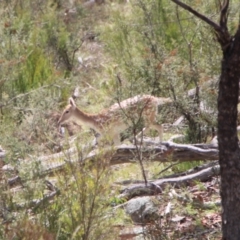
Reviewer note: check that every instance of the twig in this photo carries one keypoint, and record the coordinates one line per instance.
(168, 167)
(199, 15)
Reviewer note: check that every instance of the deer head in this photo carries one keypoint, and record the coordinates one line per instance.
(68, 113)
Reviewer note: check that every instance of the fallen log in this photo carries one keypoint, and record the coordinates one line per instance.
(160, 152)
(175, 175)
(166, 152)
(156, 186)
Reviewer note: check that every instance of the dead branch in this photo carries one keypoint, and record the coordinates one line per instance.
(197, 14)
(224, 15)
(39, 203)
(193, 170)
(160, 152)
(153, 186)
(221, 30)
(189, 172)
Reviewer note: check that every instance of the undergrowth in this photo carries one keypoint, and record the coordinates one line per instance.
(53, 49)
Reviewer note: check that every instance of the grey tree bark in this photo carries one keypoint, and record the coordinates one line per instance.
(229, 152)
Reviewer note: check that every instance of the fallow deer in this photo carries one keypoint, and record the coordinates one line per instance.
(115, 119)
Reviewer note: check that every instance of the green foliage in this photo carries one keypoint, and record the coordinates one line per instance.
(28, 35)
(153, 47)
(184, 166)
(83, 205)
(34, 60)
(159, 49)
(80, 210)
(35, 72)
(115, 201)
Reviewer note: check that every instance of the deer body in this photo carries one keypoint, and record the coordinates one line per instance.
(114, 120)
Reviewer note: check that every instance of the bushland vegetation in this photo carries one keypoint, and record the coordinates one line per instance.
(100, 53)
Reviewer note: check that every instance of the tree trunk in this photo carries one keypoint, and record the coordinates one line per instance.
(229, 152)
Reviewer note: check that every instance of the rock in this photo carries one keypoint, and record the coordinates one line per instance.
(130, 233)
(142, 209)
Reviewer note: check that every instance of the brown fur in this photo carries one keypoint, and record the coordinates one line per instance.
(114, 120)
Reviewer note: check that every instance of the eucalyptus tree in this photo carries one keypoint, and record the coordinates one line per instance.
(158, 53)
(229, 151)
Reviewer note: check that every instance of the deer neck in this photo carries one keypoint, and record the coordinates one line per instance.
(85, 119)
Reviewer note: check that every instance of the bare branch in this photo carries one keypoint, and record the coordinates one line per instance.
(164, 152)
(156, 186)
(221, 31)
(199, 15)
(224, 15)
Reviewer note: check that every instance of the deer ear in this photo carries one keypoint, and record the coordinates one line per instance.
(72, 103)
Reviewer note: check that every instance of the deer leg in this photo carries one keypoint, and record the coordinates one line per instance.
(109, 139)
(159, 128)
(150, 123)
(145, 130)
